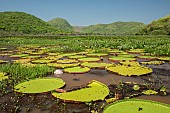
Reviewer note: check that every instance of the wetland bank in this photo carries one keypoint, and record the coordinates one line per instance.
(97, 71)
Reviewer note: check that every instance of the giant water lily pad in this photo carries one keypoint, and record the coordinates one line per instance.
(77, 70)
(67, 61)
(63, 65)
(94, 91)
(96, 65)
(77, 56)
(42, 61)
(18, 55)
(136, 50)
(22, 61)
(32, 57)
(150, 92)
(96, 54)
(126, 55)
(153, 63)
(114, 58)
(137, 106)
(2, 76)
(39, 85)
(127, 63)
(3, 61)
(147, 57)
(164, 58)
(89, 59)
(130, 70)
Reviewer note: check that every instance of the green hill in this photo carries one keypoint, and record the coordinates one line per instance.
(23, 23)
(158, 27)
(116, 28)
(61, 24)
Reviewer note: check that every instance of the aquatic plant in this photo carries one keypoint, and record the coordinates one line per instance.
(3, 76)
(96, 65)
(115, 59)
(153, 62)
(42, 61)
(67, 61)
(89, 59)
(150, 92)
(96, 54)
(57, 65)
(77, 70)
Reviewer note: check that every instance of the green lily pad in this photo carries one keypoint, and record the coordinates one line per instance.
(150, 92)
(164, 58)
(2, 76)
(39, 85)
(115, 51)
(32, 57)
(76, 56)
(114, 58)
(136, 50)
(96, 65)
(88, 59)
(42, 61)
(153, 63)
(22, 61)
(67, 54)
(18, 55)
(126, 55)
(3, 61)
(67, 61)
(136, 87)
(3, 48)
(147, 57)
(127, 63)
(96, 54)
(130, 70)
(136, 106)
(94, 91)
(77, 70)
(63, 65)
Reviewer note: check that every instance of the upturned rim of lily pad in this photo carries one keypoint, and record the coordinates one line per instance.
(136, 105)
(39, 85)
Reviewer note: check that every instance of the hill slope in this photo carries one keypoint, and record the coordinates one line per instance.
(61, 24)
(158, 27)
(117, 28)
(23, 23)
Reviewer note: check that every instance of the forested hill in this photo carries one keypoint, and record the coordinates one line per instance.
(158, 27)
(61, 24)
(116, 28)
(23, 23)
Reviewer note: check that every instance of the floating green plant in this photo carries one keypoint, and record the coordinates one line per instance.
(127, 63)
(114, 58)
(126, 55)
(96, 65)
(97, 54)
(32, 57)
(3, 61)
(153, 62)
(22, 61)
(150, 92)
(3, 48)
(19, 55)
(42, 61)
(39, 85)
(67, 61)
(76, 56)
(164, 58)
(136, 87)
(94, 91)
(147, 57)
(89, 59)
(130, 70)
(136, 106)
(77, 70)
(136, 50)
(63, 65)
(3, 76)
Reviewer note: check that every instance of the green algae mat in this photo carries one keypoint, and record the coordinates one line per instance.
(96, 65)
(130, 70)
(137, 106)
(94, 91)
(77, 70)
(39, 85)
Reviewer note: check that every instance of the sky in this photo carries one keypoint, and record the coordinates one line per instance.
(90, 12)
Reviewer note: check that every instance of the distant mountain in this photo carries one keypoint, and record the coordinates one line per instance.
(23, 23)
(62, 24)
(158, 27)
(116, 28)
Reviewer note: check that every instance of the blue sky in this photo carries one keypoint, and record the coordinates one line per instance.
(87, 12)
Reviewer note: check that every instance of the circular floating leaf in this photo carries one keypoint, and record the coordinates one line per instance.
(153, 62)
(149, 92)
(96, 65)
(22, 61)
(3, 48)
(137, 106)
(126, 55)
(94, 91)
(39, 85)
(130, 70)
(67, 61)
(2, 76)
(3, 61)
(63, 65)
(121, 59)
(42, 61)
(31, 57)
(164, 58)
(77, 70)
(96, 54)
(89, 59)
(18, 55)
(147, 57)
(136, 50)
(127, 63)
(76, 56)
